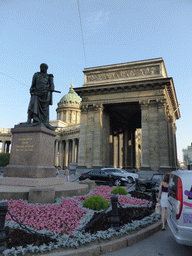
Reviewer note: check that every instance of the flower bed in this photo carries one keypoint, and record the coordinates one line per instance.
(65, 218)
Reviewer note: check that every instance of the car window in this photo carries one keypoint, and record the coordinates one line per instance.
(117, 170)
(103, 172)
(96, 172)
(109, 170)
(173, 186)
(157, 177)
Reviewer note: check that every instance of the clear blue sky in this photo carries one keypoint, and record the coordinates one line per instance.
(114, 31)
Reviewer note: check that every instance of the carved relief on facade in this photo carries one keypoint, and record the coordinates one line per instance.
(128, 73)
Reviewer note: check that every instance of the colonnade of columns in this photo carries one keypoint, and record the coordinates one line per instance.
(5, 146)
(123, 150)
(66, 152)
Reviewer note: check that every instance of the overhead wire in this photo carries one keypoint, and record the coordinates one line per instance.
(81, 31)
(13, 79)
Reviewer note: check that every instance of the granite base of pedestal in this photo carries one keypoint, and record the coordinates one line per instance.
(28, 171)
(30, 182)
(19, 188)
(42, 195)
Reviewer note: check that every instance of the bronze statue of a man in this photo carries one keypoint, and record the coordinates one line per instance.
(41, 97)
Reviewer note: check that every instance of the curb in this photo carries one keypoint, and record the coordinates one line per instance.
(106, 246)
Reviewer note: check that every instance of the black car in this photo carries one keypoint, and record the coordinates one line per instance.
(153, 182)
(100, 176)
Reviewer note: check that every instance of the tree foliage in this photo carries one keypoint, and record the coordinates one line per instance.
(4, 159)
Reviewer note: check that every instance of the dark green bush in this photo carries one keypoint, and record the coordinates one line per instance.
(119, 190)
(4, 159)
(96, 203)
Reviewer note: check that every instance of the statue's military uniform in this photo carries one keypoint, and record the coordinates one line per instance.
(41, 97)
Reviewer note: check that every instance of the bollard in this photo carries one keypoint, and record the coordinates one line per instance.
(136, 185)
(110, 181)
(114, 218)
(153, 196)
(3, 211)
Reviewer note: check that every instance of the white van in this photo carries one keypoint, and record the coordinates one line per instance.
(180, 206)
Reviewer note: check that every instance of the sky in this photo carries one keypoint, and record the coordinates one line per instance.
(70, 35)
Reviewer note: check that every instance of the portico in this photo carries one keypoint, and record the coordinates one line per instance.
(117, 100)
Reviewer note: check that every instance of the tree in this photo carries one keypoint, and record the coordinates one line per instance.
(4, 159)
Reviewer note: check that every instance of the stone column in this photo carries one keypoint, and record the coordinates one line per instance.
(170, 140)
(105, 140)
(3, 147)
(56, 153)
(83, 136)
(67, 153)
(133, 149)
(60, 153)
(115, 152)
(8, 146)
(92, 143)
(62, 116)
(154, 135)
(73, 151)
(145, 164)
(129, 150)
(111, 161)
(163, 135)
(77, 151)
(120, 137)
(125, 141)
(98, 135)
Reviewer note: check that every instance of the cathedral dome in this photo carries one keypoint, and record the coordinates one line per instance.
(68, 109)
(71, 97)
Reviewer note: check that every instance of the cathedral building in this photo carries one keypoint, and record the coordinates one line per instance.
(124, 115)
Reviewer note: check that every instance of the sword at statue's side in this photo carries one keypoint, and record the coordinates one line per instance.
(54, 91)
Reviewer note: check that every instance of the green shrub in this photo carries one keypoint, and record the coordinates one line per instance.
(4, 159)
(95, 203)
(119, 190)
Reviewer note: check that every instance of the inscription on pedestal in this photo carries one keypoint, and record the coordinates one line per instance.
(25, 145)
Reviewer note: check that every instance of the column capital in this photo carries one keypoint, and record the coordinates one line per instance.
(92, 107)
(144, 104)
(84, 108)
(170, 118)
(162, 103)
(159, 103)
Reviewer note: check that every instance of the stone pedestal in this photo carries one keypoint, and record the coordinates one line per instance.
(31, 174)
(42, 195)
(32, 153)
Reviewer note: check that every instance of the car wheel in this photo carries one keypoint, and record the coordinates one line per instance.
(117, 182)
(143, 188)
(130, 180)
